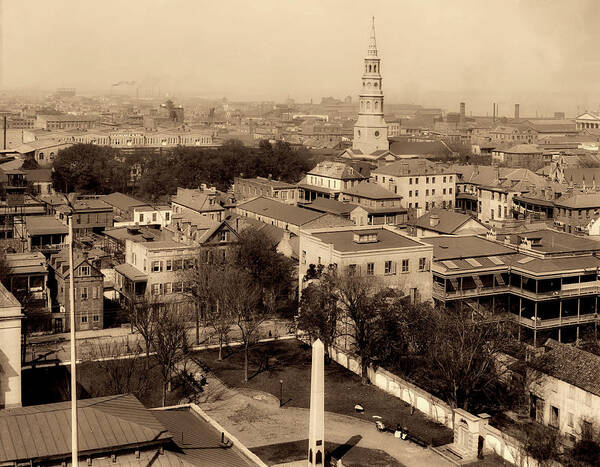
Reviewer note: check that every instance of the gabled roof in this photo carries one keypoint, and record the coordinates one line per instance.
(449, 221)
(329, 205)
(274, 209)
(38, 175)
(579, 201)
(197, 200)
(337, 170)
(570, 364)
(104, 424)
(524, 149)
(370, 191)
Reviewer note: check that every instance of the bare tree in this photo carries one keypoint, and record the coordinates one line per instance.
(143, 316)
(240, 298)
(169, 340)
(122, 374)
(199, 286)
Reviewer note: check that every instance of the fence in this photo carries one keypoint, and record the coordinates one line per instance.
(471, 432)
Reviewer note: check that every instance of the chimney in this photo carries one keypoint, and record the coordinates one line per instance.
(462, 112)
(494, 112)
(517, 111)
(434, 220)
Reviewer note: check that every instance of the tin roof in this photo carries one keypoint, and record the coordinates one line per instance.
(104, 423)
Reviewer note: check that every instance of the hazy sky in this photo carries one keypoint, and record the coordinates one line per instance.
(541, 53)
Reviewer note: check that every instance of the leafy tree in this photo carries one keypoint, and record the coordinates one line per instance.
(271, 271)
(144, 316)
(320, 314)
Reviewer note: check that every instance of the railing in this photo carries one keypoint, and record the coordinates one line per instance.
(556, 322)
(440, 293)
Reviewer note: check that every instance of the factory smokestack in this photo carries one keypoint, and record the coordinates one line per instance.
(517, 106)
(462, 112)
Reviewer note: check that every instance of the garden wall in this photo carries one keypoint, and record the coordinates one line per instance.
(494, 440)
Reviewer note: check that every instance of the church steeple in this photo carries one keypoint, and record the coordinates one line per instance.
(370, 130)
(372, 42)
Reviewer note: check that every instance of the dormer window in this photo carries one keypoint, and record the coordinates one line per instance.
(365, 237)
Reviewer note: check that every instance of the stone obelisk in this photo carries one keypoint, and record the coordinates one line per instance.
(316, 430)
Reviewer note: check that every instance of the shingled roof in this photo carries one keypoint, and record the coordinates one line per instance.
(337, 170)
(570, 364)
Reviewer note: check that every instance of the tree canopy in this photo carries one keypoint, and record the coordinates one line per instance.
(88, 168)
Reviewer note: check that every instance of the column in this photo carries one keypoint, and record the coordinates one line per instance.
(559, 318)
(520, 312)
(578, 311)
(535, 325)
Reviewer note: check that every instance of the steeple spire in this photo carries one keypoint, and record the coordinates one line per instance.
(372, 43)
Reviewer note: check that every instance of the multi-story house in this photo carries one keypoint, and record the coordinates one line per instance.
(157, 216)
(89, 291)
(89, 216)
(10, 345)
(122, 205)
(546, 280)
(203, 201)
(421, 183)
(376, 205)
(573, 212)
(154, 270)
(327, 180)
(245, 188)
(28, 281)
(563, 389)
(43, 233)
(400, 261)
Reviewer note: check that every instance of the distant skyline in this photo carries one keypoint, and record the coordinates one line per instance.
(539, 53)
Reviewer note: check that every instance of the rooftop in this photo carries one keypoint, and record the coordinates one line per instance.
(343, 239)
(337, 170)
(579, 201)
(26, 263)
(552, 241)
(280, 211)
(410, 167)
(468, 246)
(122, 201)
(329, 205)
(370, 191)
(44, 225)
(524, 149)
(131, 272)
(105, 423)
(197, 200)
(449, 221)
(570, 364)
(267, 182)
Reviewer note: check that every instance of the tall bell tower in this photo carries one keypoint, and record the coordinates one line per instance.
(370, 129)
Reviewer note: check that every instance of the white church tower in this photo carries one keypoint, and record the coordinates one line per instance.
(370, 130)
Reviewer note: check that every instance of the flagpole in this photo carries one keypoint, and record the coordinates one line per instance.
(74, 437)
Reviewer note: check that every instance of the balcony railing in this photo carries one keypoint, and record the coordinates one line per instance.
(440, 293)
(556, 322)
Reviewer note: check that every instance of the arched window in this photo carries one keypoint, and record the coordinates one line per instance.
(369, 68)
(375, 84)
(362, 105)
(41, 156)
(376, 105)
(374, 68)
(368, 105)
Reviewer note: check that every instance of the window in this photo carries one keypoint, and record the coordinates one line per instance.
(554, 417)
(370, 269)
(570, 420)
(156, 266)
(416, 192)
(444, 180)
(167, 215)
(153, 217)
(432, 179)
(426, 179)
(433, 192)
(169, 265)
(84, 270)
(426, 192)
(443, 191)
(404, 265)
(422, 264)
(141, 217)
(410, 193)
(390, 267)
(450, 191)
(84, 293)
(177, 287)
(96, 318)
(156, 289)
(177, 265)
(303, 256)
(168, 288)
(352, 269)
(223, 234)
(417, 180)
(95, 292)
(84, 319)
(409, 181)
